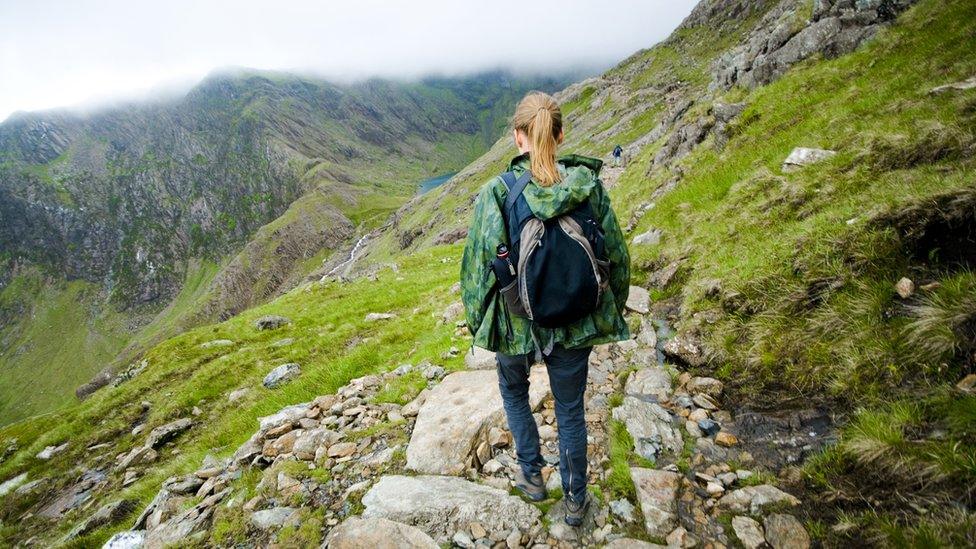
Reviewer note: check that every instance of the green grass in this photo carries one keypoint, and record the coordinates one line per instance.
(327, 320)
(65, 331)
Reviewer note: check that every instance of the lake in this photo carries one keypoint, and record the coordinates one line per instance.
(434, 182)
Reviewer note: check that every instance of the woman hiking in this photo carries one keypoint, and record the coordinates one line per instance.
(544, 277)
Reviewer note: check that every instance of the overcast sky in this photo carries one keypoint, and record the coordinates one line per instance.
(81, 52)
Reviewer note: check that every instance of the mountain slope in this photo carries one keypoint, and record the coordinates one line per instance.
(780, 282)
(262, 174)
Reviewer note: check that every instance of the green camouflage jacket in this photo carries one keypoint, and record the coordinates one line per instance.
(486, 315)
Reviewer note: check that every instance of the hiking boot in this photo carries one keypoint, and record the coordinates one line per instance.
(532, 485)
(576, 511)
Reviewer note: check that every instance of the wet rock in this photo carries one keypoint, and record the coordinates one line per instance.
(440, 506)
(748, 531)
(268, 519)
(281, 375)
(457, 414)
(754, 499)
(657, 492)
(271, 322)
(374, 317)
(652, 381)
(479, 359)
(131, 539)
(50, 451)
(786, 532)
(650, 426)
(803, 156)
(639, 300)
(165, 433)
(905, 288)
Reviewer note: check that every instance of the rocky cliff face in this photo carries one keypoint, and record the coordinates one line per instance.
(123, 197)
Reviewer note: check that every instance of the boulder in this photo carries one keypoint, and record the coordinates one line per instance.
(963, 85)
(50, 451)
(12, 484)
(480, 359)
(753, 499)
(639, 300)
(109, 513)
(216, 343)
(271, 322)
(657, 492)
(457, 414)
(440, 506)
(165, 433)
(274, 517)
(282, 374)
(685, 347)
(786, 532)
(705, 385)
(905, 287)
(288, 414)
(649, 238)
(651, 427)
(453, 311)
(373, 317)
(749, 532)
(130, 539)
(652, 382)
(356, 532)
(803, 156)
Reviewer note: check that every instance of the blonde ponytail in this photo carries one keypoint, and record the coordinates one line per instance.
(538, 117)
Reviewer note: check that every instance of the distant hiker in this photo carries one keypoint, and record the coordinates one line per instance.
(617, 151)
(544, 277)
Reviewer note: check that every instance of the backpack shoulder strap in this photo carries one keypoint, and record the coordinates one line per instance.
(515, 186)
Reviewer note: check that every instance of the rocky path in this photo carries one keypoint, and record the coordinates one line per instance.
(438, 471)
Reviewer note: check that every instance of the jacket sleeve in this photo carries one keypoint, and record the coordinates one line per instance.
(616, 248)
(477, 278)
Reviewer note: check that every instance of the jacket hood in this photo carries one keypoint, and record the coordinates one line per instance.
(580, 175)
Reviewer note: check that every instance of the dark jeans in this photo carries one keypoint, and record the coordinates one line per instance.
(567, 378)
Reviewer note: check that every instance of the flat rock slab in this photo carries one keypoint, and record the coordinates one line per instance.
(356, 532)
(652, 381)
(639, 300)
(479, 359)
(657, 492)
(457, 413)
(651, 427)
(803, 156)
(440, 506)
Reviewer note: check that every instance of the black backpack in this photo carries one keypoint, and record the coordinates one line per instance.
(552, 272)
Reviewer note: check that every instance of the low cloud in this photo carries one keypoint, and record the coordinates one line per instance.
(58, 53)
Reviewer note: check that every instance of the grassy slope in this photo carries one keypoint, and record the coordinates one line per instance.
(332, 342)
